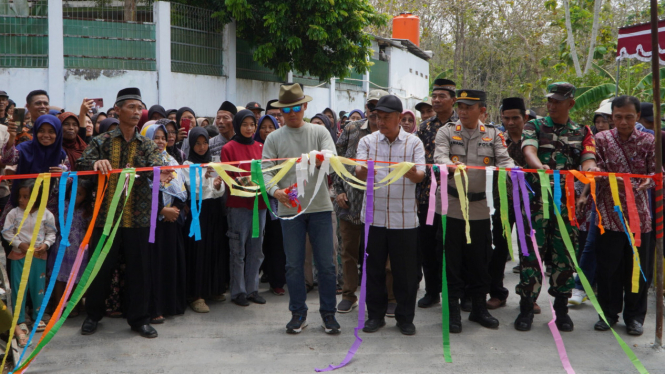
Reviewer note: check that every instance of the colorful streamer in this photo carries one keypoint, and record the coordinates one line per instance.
(432, 197)
(462, 189)
(196, 180)
(633, 216)
(519, 222)
(489, 195)
(570, 199)
(155, 203)
(544, 187)
(505, 222)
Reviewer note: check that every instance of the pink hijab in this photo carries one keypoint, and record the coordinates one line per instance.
(415, 125)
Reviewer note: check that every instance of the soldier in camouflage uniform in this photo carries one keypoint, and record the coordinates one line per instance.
(552, 143)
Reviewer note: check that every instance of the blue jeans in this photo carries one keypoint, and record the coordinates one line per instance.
(246, 252)
(319, 228)
(588, 258)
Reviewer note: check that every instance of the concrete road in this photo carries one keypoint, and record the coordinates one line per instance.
(233, 339)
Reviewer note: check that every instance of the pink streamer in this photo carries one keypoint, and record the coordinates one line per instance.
(72, 276)
(432, 199)
(155, 197)
(443, 173)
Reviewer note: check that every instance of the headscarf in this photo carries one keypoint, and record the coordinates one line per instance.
(144, 118)
(328, 124)
(150, 131)
(194, 135)
(146, 126)
(415, 125)
(199, 121)
(73, 148)
(176, 187)
(106, 123)
(182, 111)
(35, 158)
(335, 120)
(237, 123)
(257, 136)
(156, 109)
(172, 150)
(362, 115)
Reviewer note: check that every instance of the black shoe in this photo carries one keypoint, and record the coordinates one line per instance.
(525, 318)
(429, 301)
(241, 300)
(466, 304)
(601, 326)
(407, 328)
(563, 321)
(455, 321)
(297, 323)
(480, 314)
(330, 324)
(146, 331)
(374, 324)
(89, 326)
(264, 278)
(256, 298)
(634, 328)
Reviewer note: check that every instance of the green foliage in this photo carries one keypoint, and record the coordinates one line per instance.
(591, 96)
(323, 38)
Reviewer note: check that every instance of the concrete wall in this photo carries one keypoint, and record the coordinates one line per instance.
(18, 82)
(409, 77)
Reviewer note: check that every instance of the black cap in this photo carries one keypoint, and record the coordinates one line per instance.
(4, 93)
(131, 93)
(389, 103)
(229, 107)
(646, 111)
(254, 106)
(471, 97)
(269, 105)
(513, 103)
(444, 84)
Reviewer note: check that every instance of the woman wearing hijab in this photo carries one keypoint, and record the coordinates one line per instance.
(172, 129)
(408, 121)
(168, 251)
(202, 122)
(97, 120)
(71, 141)
(246, 251)
(156, 112)
(322, 119)
(108, 124)
(208, 258)
(144, 119)
(184, 113)
(332, 116)
(274, 262)
(356, 115)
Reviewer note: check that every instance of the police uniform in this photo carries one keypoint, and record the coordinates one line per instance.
(467, 264)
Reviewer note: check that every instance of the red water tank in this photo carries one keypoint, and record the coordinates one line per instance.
(407, 26)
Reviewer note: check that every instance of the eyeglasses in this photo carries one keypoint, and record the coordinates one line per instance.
(296, 109)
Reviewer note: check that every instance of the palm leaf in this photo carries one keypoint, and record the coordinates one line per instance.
(593, 96)
(580, 90)
(604, 72)
(647, 81)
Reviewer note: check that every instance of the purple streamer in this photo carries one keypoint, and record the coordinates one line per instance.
(155, 198)
(525, 197)
(369, 219)
(518, 213)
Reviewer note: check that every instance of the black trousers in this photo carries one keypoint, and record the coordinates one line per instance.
(614, 276)
(427, 251)
(467, 264)
(133, 242)
(497, 265)
(274, 263)
(400, 245)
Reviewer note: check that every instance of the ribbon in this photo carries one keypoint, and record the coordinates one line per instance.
(589, 291)
(519, 222)
(570, 199)
(98, 257)
(432, 197)
(65, 228)
(443, 174)
(46, 178)
(592, 182)
(463, 200)
(544, 187)
(489, 194)
(505, 222)
(256, 175)
(196, 178)
(633, 216)
(369, 219)
(557, 190)
(155, 201)
(445, 307)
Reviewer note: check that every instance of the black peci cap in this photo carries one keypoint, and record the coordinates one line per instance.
(513, 103)
(131, 93)
(229, 107)
(269, 105)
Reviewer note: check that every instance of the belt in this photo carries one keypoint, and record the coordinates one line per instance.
(478, 196)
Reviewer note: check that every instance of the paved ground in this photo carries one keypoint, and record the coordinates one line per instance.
(232, 339)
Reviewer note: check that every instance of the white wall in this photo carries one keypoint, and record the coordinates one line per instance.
(19, 82)
(203, 93)
(403, 79)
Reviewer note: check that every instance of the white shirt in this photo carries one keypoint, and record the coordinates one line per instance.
(47, 231)
(209, 191)
(395, 206)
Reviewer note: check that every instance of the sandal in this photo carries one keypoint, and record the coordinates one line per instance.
(158, 321)
(199, 306)
(22, 340)
(24, 327)
(41, 326)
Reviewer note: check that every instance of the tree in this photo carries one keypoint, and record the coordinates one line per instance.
(594, 34)
(571, 39)
(324, 38)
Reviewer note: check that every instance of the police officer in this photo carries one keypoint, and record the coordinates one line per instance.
(469, 142)
(443, 103)
(552, 143)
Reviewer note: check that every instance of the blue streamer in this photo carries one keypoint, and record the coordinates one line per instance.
(195, 227)
(557, 190)
(630, 241)
(65, 227)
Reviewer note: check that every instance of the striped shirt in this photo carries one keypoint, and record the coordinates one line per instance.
(395, 206)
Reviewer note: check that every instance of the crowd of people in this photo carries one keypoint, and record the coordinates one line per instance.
(198, 257)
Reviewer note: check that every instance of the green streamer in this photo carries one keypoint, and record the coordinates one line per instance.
(544, 187)
(95, 263)
(257, 178)
(592, 297)
(445, 312)
(505, 222)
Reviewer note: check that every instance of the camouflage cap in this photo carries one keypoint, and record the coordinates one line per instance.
(376, 95)
(560, 91)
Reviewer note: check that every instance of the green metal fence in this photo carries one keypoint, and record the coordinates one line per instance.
(197, 41)
(101, 36)
(247, 68)
(355, 79)
(378, 74)
(24, 34)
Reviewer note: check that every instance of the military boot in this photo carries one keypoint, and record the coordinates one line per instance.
(563, 321)
(525, 318)
(480, 314)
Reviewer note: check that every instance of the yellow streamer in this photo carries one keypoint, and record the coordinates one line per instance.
(398, 171)
(27, 264)
(231, 182)
(635, 285)
(338, 167)
(285, 166)
(463, 199)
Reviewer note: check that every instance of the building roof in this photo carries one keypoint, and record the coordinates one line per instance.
(404, 44)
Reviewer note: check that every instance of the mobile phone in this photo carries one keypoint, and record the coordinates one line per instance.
(185, 123)
(99, 103)
(19, 117)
